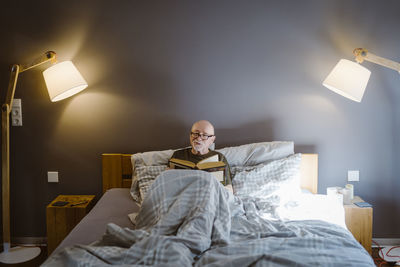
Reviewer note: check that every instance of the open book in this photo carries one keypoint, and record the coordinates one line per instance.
(211, 164)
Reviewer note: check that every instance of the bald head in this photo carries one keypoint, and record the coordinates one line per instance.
(205, 126)
(201, 137)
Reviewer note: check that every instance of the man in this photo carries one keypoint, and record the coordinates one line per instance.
(201, 138)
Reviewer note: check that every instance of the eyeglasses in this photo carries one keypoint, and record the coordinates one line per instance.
(202, 136)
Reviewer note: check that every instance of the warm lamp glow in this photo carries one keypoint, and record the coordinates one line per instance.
(348, 79)
(63, 80)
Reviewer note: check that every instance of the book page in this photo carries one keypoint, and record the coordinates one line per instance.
(219, 175)
(210, 159)
(210, 165)
(181, 163)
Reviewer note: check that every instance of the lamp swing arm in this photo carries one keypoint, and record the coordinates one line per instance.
(46, 57)
(16, 69)
(362, 54)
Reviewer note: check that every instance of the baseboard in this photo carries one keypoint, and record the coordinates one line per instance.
(385, 242)
(29, 240)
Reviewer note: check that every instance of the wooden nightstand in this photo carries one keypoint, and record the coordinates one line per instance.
(359, 223)
(60, 220)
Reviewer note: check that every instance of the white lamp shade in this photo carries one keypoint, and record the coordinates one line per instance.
(63, 80)
(348, 79)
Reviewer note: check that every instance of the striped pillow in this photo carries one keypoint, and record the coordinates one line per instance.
(146, 175)
(276, 182)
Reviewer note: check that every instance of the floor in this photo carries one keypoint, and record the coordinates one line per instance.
(43, 255)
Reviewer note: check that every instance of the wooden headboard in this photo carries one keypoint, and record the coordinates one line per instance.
(117, 171)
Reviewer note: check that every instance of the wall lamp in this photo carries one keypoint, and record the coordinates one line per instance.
(350, 79)
(62, 80)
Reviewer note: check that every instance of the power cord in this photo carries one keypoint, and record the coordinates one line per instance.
(382, 260)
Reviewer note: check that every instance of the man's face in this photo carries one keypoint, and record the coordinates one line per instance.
(205, 137)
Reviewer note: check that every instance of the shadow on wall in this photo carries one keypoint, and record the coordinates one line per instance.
(303, 148)
(258, 131)
(386, 224)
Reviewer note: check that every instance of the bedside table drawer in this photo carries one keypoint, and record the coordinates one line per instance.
(60, 220)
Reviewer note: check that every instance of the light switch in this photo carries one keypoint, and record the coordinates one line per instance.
(52, 177)
(353, 176)
(16, 113)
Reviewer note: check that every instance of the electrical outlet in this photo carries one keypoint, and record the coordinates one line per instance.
(16, 113)
(52, 177)
(353, 176)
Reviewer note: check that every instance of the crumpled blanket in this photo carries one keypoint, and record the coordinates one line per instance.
(189, 219)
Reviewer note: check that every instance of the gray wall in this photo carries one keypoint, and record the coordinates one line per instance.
(254, 68)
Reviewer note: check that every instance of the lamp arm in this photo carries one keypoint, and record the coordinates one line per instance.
(48, 56)
(15, 70)
(363, 54)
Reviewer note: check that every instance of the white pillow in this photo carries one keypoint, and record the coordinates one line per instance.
(152, 158)
(257, 153)
(313, 207)
(275, 183)
(244, 155)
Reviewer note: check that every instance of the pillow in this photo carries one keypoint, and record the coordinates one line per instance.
(244, 155)
(146, 176)
(313, 207)
(240, 169)
(257, 153)
(276, 182)
(151, 158)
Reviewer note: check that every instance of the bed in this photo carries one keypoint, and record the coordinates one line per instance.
(193, 230)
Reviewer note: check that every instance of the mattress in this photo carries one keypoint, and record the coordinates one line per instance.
(113, 207)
